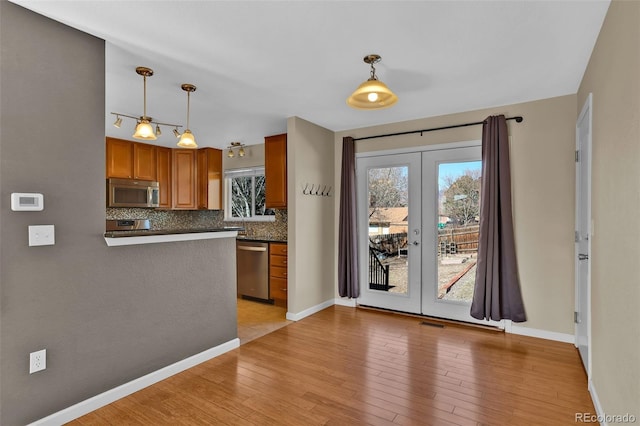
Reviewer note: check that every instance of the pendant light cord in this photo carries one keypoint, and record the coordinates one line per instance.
(144, 79)
(188, 103)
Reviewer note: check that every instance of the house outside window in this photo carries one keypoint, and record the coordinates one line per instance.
(245, 195)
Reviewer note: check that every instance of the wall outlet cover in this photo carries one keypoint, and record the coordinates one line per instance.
(37, 361)
(42, 235)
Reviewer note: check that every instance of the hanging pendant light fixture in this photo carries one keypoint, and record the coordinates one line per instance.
(144, 125)
(187, 140)
(144, 130)
(372, 94)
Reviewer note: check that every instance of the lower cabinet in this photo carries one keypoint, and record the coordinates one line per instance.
(278, 273)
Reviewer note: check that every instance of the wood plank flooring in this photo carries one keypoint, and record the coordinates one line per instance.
(256, 319)
(345, 366)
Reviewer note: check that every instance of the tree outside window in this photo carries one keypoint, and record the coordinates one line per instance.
(246, 194)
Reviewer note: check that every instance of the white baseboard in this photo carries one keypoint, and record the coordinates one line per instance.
(534, 332)
(112, 395)
(596, 403)
(343, 301)
(312, 310)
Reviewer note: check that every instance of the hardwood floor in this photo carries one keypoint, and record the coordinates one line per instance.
(346, 366)
(256, 319)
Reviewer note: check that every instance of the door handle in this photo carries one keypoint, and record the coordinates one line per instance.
(415, 243)
(583, 256)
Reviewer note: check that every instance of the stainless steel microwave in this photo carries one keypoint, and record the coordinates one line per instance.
(132, 193)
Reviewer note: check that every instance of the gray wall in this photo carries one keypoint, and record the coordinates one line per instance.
(106, 315)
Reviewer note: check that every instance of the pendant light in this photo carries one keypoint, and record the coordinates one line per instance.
(373, 93)
(144, 125)
(187, 140)
(144, 130)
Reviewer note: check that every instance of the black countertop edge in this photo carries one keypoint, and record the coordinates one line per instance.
(260, 239)
(139, 233)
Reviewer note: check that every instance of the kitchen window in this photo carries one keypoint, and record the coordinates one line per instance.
(245, 195)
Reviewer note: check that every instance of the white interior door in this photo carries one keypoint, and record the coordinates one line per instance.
(583, 235)
(390, 231)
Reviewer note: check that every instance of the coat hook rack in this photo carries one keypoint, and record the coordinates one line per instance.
(319, 190)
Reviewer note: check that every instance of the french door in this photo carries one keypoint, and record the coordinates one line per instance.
(418, 230)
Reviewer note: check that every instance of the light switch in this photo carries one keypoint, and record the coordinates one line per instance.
(42, 235)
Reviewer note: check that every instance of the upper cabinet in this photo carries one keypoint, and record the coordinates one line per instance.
(275, 171)
(163, 174)
(209, 179)
(144, 161)
(130, 160)
(188, 179)
(119, 158)
(184, 179)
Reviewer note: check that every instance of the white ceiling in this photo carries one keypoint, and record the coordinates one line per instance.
(256, 63)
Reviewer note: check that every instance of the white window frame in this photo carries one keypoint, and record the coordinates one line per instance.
(244, 172)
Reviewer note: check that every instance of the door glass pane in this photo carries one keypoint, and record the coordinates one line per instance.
(388, 222)
(458, 227)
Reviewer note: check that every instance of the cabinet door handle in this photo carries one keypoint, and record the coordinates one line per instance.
(284, 261)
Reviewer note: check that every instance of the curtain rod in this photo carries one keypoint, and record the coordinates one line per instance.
(518, 120)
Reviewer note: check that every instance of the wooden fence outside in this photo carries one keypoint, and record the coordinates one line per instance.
(458, 240)
(450, 241)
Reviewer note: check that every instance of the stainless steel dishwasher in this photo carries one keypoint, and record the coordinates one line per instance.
(252, 267)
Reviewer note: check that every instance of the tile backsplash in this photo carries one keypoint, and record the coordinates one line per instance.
(195, 219)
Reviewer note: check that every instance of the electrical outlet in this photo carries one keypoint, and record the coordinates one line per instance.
(37, 361)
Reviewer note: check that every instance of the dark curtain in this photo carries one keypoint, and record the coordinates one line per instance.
(497, 289)
(348, 285)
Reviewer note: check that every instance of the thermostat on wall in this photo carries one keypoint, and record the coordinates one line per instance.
(27, 202)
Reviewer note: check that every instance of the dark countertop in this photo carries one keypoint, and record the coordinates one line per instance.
(139, 233)
(261, 239)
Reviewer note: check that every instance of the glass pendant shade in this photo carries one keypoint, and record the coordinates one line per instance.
(187, 140)
(144, 131)
(372, 94)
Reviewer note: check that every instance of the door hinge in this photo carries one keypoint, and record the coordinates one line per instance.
(575, 318)
(577, 237)
(577, 156)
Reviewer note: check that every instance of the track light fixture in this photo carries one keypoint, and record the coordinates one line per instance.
(234, 145)
(187, 140)
(144, 129)
(372, 94)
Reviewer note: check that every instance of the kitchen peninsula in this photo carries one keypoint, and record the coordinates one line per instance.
(127, 238)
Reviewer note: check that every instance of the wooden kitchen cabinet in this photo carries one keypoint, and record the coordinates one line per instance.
(209, 179)
(184, 196)
(188, 179)
(144, 161)
(130, 160)
(278, 288)
(163, 174)
(119, 158)
(275, 171)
